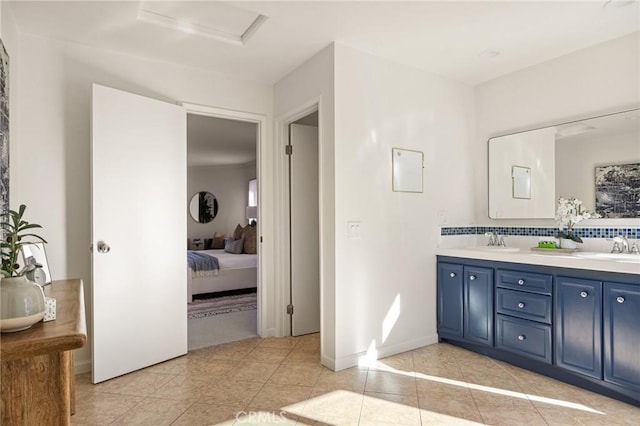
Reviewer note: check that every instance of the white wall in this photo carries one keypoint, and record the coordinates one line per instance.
(600, 79)
(230, 186)
(385, 282)
(312, 82)
(51, 154)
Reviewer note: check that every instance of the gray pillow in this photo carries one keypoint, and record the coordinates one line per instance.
(234, 246)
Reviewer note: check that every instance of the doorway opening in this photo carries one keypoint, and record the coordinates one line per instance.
(222, 229)
(304, 225)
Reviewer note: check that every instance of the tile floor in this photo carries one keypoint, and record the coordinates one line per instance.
(281, 381)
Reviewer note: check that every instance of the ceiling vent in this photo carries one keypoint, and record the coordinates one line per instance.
(217, 20)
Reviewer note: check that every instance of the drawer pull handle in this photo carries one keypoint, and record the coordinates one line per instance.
(522, 337)
(521, 305)
(583, 294)
(520, 282)
(452, 275)
(620, 299)
(472, 277)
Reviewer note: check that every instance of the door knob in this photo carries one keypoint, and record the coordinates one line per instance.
(103, 247)
(472, 277)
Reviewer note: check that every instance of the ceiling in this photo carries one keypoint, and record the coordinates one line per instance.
(213, 141)
(442, 37)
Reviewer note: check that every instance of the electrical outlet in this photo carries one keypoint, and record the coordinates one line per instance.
(442, 217)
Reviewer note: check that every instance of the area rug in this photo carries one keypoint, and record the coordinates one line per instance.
(221, 305)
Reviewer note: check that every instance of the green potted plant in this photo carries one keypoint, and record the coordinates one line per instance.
(21, 301)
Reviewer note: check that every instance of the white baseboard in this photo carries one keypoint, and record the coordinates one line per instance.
(82, 366)
(382, 352)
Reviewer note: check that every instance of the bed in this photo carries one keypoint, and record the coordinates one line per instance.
(236, 271)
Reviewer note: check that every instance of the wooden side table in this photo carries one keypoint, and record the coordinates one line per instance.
(37, 381)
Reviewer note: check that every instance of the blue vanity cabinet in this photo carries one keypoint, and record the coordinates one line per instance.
(622, 335)
(478, 305)
(578, 325)
(450, 277)
(465, 303)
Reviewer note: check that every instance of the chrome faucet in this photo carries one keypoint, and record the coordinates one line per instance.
(621, 245)
(495, 239)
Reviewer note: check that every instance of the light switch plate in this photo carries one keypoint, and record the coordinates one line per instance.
(353, 229)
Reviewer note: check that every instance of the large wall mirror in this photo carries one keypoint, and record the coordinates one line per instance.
(203, 207)
(596, 160)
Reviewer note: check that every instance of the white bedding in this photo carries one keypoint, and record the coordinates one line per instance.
(237, 271)
(233, 261)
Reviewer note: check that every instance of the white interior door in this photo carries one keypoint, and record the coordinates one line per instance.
(305, 242)
(139, 181)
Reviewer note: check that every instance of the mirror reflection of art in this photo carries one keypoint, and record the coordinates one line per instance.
(618, 190)
(521, 182)
(203, 207)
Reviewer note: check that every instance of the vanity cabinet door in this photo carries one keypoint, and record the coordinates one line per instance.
(622, 335)
(478, 305)
(450, 299)
(578, 329)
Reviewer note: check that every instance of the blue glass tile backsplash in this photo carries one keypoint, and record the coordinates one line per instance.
(540, 231)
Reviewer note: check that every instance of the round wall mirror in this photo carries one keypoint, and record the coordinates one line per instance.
(203, 207)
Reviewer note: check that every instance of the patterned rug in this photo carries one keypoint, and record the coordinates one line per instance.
(221, 305)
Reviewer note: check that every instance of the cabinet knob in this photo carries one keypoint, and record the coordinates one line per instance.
(520, 305)
(520, 282)
(472, 277)
(583, 294)
(522, 337)
(620, 299)
(452, 275)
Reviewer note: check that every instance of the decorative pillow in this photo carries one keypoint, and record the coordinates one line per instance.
(249, 235)
(208, 243)
(237, 233)
(218, 241)
(234, 246)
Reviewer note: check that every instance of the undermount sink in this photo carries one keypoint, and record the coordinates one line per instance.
(497, 249)
(618, 257)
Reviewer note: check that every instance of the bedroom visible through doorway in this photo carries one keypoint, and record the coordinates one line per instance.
(222, 230)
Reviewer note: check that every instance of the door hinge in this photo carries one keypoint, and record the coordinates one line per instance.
(260, 238)
(289, 149)
(290, 309)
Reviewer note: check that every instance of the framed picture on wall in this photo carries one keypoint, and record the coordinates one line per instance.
(617, 190)
(406, 170)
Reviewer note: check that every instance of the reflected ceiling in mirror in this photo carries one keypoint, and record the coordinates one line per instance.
(591, 159)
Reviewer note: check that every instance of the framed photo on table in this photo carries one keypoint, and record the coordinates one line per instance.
(35, 254)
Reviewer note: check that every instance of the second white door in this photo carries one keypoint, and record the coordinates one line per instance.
(305, 250)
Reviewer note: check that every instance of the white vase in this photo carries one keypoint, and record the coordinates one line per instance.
(21, 304)
(568, 244)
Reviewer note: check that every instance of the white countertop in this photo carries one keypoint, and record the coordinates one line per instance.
(527, 256)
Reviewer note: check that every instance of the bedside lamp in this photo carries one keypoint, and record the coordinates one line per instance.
(251, 214)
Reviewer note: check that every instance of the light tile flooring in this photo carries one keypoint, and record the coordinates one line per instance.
(281, 381)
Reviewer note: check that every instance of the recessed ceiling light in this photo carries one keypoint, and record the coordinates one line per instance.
(617, 4)
(490, 53)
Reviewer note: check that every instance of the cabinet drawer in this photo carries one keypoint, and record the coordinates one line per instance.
(519, 304)
(525, 281)
(526, 338)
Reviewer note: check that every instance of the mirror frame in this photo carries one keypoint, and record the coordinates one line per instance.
(196, 197)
